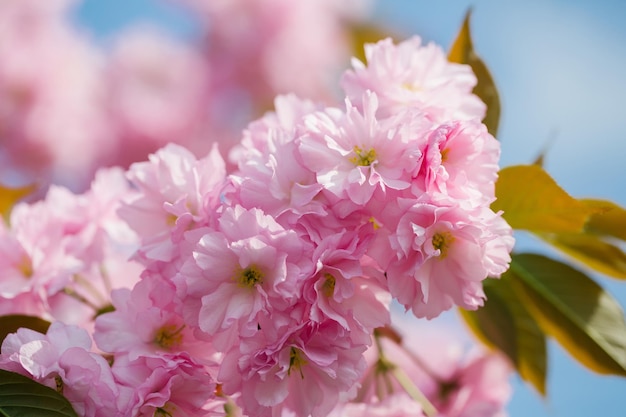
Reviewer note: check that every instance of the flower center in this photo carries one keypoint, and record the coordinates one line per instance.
(363, 158)
(442, 242)
(328, 287)
(249, 277)
(296, 361)
(444, 155)
(414, 88)
(169, 336)
(25, 266)
(165, 411)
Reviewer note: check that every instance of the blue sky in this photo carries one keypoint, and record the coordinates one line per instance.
(559, 66)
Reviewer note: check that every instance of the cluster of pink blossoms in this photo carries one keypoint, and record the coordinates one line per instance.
(261, 290)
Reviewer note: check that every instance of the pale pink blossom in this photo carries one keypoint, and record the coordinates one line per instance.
(443, 257)
(62, 360)
(414, 75)
(249, 265)
(345, 290)
(279, 183)
(303, 367)
(356, 153)
(146, 323)
(287, 116)
(164, 385)
(62, 255)
(176, 193)
(461, 162)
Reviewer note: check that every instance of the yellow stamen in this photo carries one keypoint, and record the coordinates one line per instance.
(412, 87)
(362, 158)
(296, 361)
(442, 242)
(249, 277)
(328, 287)
(444, 155)
(169, 336)
(26, 266)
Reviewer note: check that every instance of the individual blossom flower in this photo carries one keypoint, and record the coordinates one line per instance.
(62, 360)
(444, 254)
(176, 193)
(344, 288)
(290, 365)
(460, 162)
(414, 75)
(287, 116)
(278, 183)
(356, 153)
(145, 322)
(249, 265)
(169, 385)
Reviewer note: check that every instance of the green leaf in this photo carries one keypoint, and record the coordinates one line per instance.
(574, 309)
(23, 397)
(10, 324)
(532, 200)
(505, 324)
(462, 52)
(592, 251)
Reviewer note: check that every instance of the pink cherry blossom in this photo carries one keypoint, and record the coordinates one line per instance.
(355, 154)
(460, 162)
(345, 290)
(177, 192)
(61, 359)
(411, 74)
(145, 323)
(303, 367)
(165, 385)
(443, 258)
(250, 265)
(278, 182)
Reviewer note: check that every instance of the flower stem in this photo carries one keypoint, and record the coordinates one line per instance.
(415, 393)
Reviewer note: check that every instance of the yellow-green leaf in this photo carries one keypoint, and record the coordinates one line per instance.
(574, 309)
(608, 220)
(504, 323)
(532, 200)
(366, 33)
(9, 196)
(462, 52)
(592, 251)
